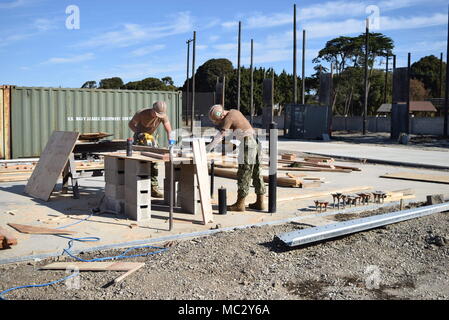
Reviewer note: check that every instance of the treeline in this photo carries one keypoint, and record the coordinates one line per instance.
(345, 55)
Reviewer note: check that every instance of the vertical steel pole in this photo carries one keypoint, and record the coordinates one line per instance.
(303, 94)
(440, 84)
(171, 188)
(386, 80)
(238, 66)
(188, 111)
(409, 73)
(295, 78)
(224, 90)
(193, 81)
(272, 178)
(252, 84)
(446, 96)
(365, 110)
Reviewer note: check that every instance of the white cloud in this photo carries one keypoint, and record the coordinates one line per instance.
(13, 4)
(130, 34)
(72, 59)
(147, 50)
(44, 24)
(230, 24)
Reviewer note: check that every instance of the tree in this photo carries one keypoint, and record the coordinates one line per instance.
(146, 84)
(111, 83)
(168, 81)
(206, 75)
(347, 55)
(417, 90)
(427, 70)
(89, 85)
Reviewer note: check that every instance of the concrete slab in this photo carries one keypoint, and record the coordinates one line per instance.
(379, 154)
(115, 231)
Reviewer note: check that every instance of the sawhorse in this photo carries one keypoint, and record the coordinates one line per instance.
(70, 172)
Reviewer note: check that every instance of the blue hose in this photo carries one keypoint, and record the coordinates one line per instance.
(38, 285)
(87, 239)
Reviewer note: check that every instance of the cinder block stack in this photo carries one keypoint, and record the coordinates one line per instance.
(137, 189)
(115, 184)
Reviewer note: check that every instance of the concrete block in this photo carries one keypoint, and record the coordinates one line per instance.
(114, 177)
(188, 195)
(175, 192)
(138, 213)
(114, 164)
(115, 191)
(435, 199)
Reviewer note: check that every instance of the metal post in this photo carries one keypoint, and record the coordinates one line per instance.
(386, 80)
(252, 84)
(193, 82)
(188, 83)
(446, 97)
(409, 73)
(224, 90)
(295, 78)
(212, 176)
(238, 66)
(365, 110)
(171, 183)
(440, 84)
(303, 93)
(272, 178)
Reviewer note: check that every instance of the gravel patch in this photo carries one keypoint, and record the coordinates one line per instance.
(407, 260)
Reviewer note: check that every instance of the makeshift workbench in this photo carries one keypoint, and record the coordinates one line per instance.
(128, 184)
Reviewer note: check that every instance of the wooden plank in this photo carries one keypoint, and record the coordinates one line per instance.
(281, 181)
(95, 266)
(51, 163)
(123, 276)
(200, 162)
(165, 157)
(38, 230)
(433, 178)
(151, 149)
(314, 169)
(7, 238)
(324, 193)
(13, 178)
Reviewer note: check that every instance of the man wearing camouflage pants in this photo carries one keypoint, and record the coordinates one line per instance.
(249, 155)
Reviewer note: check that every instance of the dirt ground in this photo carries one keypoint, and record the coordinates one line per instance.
(403, 261)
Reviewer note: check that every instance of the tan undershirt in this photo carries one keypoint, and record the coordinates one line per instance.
(146, 121)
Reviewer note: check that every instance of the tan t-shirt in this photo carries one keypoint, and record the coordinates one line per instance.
(236, 121)
(146, 121)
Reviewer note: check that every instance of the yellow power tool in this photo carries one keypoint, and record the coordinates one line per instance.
(146, 139)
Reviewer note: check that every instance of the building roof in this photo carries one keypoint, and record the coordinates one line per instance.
(415, 106)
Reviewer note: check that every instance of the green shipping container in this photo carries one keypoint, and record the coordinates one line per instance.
(37, 112)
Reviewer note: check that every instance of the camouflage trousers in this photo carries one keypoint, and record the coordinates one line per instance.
(154, 167)
(249, 167)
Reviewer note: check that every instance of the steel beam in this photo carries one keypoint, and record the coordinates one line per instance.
(310, 235)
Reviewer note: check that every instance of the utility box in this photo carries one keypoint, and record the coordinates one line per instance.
(307, 121)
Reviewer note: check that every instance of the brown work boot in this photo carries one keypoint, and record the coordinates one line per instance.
(155, 193)
(259, 204)
(239, 205)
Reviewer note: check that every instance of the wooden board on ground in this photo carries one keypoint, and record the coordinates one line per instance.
(434, 178)
(38, 230)
(200, 162)
(51, 163)
(324, 193)
(129, 267)
(7, 239)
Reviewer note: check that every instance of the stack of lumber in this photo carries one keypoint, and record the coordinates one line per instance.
(282, 181)
(315, 164)
(10, 172)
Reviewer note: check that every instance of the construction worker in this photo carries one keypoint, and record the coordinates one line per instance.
(249, 154)
(144, 123)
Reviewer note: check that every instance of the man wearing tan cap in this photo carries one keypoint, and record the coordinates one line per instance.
(144, 123)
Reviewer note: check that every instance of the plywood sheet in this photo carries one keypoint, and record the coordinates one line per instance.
(51, 163)
(200, 161)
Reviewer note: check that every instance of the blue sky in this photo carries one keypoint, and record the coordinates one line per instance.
(135, 39)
